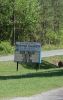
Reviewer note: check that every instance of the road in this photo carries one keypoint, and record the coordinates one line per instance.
(43, 54)
(7, 58)
(52, 53)
(50, 95)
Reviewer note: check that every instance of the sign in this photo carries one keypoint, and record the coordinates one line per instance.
(28, 52)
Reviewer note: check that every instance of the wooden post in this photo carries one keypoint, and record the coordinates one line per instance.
(17, 66)
(39, 65)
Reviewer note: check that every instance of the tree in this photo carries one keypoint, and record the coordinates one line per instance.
(51, 16)
(26, 18)
(5, 12)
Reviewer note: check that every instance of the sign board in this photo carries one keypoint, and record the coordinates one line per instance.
(28, 52)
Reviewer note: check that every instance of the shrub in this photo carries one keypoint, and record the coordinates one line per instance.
(6, 48)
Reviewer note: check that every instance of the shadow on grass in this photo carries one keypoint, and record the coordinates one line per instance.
(43, 65)
(51, 73)
(46, 73)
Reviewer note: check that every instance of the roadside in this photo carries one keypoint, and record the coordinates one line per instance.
(56, 94)
(43, 54)
(52, 47)
(52, 53)
(7, 58)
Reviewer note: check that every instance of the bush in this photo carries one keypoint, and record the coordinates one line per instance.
(6, 48)
(52, 47)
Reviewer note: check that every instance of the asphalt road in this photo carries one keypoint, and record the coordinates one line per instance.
(52, 53)
(43, 54)
(50, 95)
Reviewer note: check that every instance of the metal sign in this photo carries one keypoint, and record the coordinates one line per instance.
(28, 52)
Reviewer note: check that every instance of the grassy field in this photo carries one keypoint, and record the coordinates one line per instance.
(52, 47)
(28, 81)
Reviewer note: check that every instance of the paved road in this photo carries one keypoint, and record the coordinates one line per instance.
(7, 58)
(43, 54)
(52, 53)
(50, 95)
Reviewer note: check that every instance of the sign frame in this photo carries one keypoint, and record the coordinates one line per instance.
(25, 51)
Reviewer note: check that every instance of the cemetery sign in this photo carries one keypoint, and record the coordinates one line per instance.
(28, 52)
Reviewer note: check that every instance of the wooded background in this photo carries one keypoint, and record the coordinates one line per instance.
(31, 20)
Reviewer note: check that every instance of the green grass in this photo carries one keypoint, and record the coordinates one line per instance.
(6, 48)
(54, 59)
(52, 47)
(27, 81)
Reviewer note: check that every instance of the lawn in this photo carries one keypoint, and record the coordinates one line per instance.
(28, 81)
(52, 47)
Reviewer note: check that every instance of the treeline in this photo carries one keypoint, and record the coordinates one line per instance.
(31, 20)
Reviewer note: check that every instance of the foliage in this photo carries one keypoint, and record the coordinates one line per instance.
(31, 20)
(51, 12)
(27, 17)
(6, 48)
(52, 47)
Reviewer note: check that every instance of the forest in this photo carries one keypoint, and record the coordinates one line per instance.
(31, 20)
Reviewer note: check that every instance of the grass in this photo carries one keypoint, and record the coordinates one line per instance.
(52, 47)
(27, 81)
(6, 48)
(54, 60)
